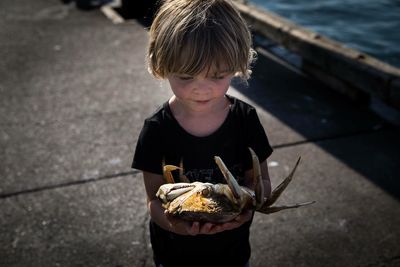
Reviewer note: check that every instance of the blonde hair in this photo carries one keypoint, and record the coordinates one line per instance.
(190, 36)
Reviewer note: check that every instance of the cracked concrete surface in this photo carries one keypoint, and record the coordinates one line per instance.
(74, 91)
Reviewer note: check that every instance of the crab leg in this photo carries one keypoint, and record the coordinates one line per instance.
(257, 178)
(167, 169)
(282, 186)
(169, 192)
(168, 177)
(232, 183)
(273, 209)
(182, 177)
(266, 208)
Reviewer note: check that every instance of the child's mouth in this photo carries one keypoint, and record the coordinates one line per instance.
(202, 101)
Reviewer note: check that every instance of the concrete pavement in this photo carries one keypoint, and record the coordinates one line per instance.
(73, 95)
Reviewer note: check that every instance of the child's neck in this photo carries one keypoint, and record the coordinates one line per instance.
(200, 123)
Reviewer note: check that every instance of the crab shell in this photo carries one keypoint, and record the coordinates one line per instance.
(218, 203)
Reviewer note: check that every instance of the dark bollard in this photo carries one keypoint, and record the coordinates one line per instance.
(139, 9)
(89, 4)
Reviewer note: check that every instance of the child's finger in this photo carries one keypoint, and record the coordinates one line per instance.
(194, 229)
(205, 228)
(215, 229)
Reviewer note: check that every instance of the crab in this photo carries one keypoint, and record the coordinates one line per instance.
(218, 203)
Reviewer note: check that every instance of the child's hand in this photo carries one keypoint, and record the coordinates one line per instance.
(181, 227)
(210, 228)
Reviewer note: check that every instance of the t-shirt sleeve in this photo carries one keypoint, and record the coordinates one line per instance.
(148, 151)
(256, 136)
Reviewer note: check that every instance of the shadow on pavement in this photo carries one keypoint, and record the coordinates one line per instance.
(349, 131)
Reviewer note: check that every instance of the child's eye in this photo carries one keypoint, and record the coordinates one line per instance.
(220, 77)
(185, 78)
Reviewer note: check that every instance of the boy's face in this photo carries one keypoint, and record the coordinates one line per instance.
(202, 90)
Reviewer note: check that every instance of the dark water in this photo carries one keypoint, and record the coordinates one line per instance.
(370, 26)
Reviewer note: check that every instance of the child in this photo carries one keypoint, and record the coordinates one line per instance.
(199, 46)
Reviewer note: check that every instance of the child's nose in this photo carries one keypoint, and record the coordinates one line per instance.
(203, 84)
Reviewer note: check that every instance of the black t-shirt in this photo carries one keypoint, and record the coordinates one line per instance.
(163, 139)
